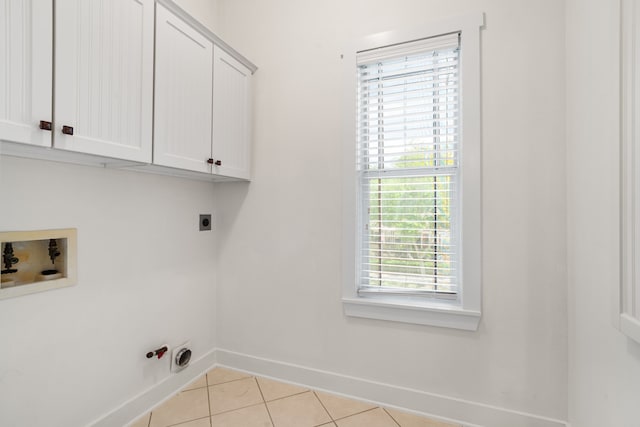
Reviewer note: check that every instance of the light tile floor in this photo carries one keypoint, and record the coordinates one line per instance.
(226, 398)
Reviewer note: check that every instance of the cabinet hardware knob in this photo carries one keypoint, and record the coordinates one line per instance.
(67, 130)
(218, 163)
(210, 161)
(45, 125)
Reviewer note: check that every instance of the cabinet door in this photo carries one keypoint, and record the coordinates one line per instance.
(25, 70)
(104, 77)
(231, 115)
(183, 96)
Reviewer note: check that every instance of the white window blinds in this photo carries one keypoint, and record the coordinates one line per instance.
(408, 136)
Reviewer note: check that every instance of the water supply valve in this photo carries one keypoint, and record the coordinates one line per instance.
(158, 352)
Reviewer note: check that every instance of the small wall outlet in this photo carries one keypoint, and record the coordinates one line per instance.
(205, 222)
(180, 357)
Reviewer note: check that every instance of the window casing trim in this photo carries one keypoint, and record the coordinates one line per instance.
(464, 312)
(627, 292)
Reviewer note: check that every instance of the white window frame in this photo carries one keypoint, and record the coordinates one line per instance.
(627, 295)
(465, 311)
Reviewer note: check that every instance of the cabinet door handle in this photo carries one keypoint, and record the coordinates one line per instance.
(210, 161)
(67, 130)
(45, 125)
(218, 163)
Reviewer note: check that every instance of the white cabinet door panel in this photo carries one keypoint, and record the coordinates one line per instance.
(25, 70)
(183, 97)
(104, 77)
(231, 115)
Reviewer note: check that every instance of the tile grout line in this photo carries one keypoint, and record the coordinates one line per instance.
(226, 382)
(394, 420)
(236, 409)
(191, 389)
(362, 412)
(285, 397)
(358, 413)
(193, 419)
(264, 401)
(206, 380)
(323, 407)
(333, 420)
(189, 421)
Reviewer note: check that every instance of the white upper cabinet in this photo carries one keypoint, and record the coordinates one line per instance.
(93, 102)
(231, 115)
(183, 106)
(202, 99)
(104, 77)
(25, 71)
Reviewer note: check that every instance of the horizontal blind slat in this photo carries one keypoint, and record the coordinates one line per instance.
(443, 73)
(372, 266)
(438, 293)
(441, 253)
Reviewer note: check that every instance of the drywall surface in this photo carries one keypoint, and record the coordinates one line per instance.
(280, 236)
(145, 278)
(604, 380)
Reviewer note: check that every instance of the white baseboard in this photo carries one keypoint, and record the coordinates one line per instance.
(467, 413)
(445, 408)
(154, 396)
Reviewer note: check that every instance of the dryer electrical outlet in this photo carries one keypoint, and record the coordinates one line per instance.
(180, 357)
(205, 222)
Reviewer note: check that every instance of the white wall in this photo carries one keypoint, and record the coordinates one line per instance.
(604, 380)
(279, 247)
(206, 11)
(145, 277)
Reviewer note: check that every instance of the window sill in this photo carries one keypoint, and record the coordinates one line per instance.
(442, 316)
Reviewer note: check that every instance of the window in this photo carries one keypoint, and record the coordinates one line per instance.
(408, 170)
(416, 202)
